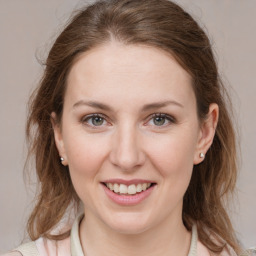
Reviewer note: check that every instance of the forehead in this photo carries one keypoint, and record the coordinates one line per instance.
(128, 71)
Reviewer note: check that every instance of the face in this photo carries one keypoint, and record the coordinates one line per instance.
(130, 136)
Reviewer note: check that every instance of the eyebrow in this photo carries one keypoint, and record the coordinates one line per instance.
(161, 105)
(145, 108)
(92, 104)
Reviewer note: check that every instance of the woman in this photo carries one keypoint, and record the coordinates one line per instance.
(130, 122)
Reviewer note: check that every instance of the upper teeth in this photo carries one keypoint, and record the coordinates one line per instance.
(131, 189)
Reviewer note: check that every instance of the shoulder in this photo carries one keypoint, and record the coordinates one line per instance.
(42, 247)
(13, 253)
(203, 251)
(26, 249)
(47, 247)
(228, 251)
(249, 252)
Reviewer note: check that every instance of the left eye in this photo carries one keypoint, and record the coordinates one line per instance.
(160, 120)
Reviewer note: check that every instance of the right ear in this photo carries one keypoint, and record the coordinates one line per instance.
(58, 138)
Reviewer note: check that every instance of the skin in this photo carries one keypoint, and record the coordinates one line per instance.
(129, 145)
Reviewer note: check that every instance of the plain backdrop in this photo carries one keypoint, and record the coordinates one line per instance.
(28, 28)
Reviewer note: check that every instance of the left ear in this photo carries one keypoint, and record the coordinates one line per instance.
(207, 132)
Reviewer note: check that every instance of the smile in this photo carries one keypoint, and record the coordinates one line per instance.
(131, 189)
(128, 193)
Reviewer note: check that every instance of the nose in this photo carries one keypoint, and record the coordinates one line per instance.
(126, 151)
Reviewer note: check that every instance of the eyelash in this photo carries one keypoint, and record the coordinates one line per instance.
(86, 119)
(170, 119)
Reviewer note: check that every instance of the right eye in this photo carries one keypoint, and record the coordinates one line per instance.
(95, 120)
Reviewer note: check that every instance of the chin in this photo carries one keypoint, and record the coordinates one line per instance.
(129, 224)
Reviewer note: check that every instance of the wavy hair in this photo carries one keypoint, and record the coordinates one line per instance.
(164, 25)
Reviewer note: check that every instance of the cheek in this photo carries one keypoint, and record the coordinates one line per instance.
(173, 154)
(173, 157)
(85, 154)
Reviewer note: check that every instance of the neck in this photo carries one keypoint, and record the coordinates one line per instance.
(168, 238)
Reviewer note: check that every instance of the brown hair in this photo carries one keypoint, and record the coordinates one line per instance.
(166, 26)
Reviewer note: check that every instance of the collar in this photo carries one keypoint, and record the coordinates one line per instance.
(76, 248)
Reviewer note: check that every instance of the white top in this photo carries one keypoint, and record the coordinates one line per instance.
(71, 246)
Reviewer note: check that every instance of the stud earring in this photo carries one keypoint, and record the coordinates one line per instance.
(61, 159)
(201, 155)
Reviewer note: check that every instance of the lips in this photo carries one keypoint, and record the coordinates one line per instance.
(128, 192)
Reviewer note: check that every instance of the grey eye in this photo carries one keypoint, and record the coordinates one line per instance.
(97, 120)
(94, 120)
(159, 120)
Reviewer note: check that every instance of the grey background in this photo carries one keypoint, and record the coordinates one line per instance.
(27, 29)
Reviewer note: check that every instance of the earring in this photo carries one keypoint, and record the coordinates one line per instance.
(61, 159)
(201, 155)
